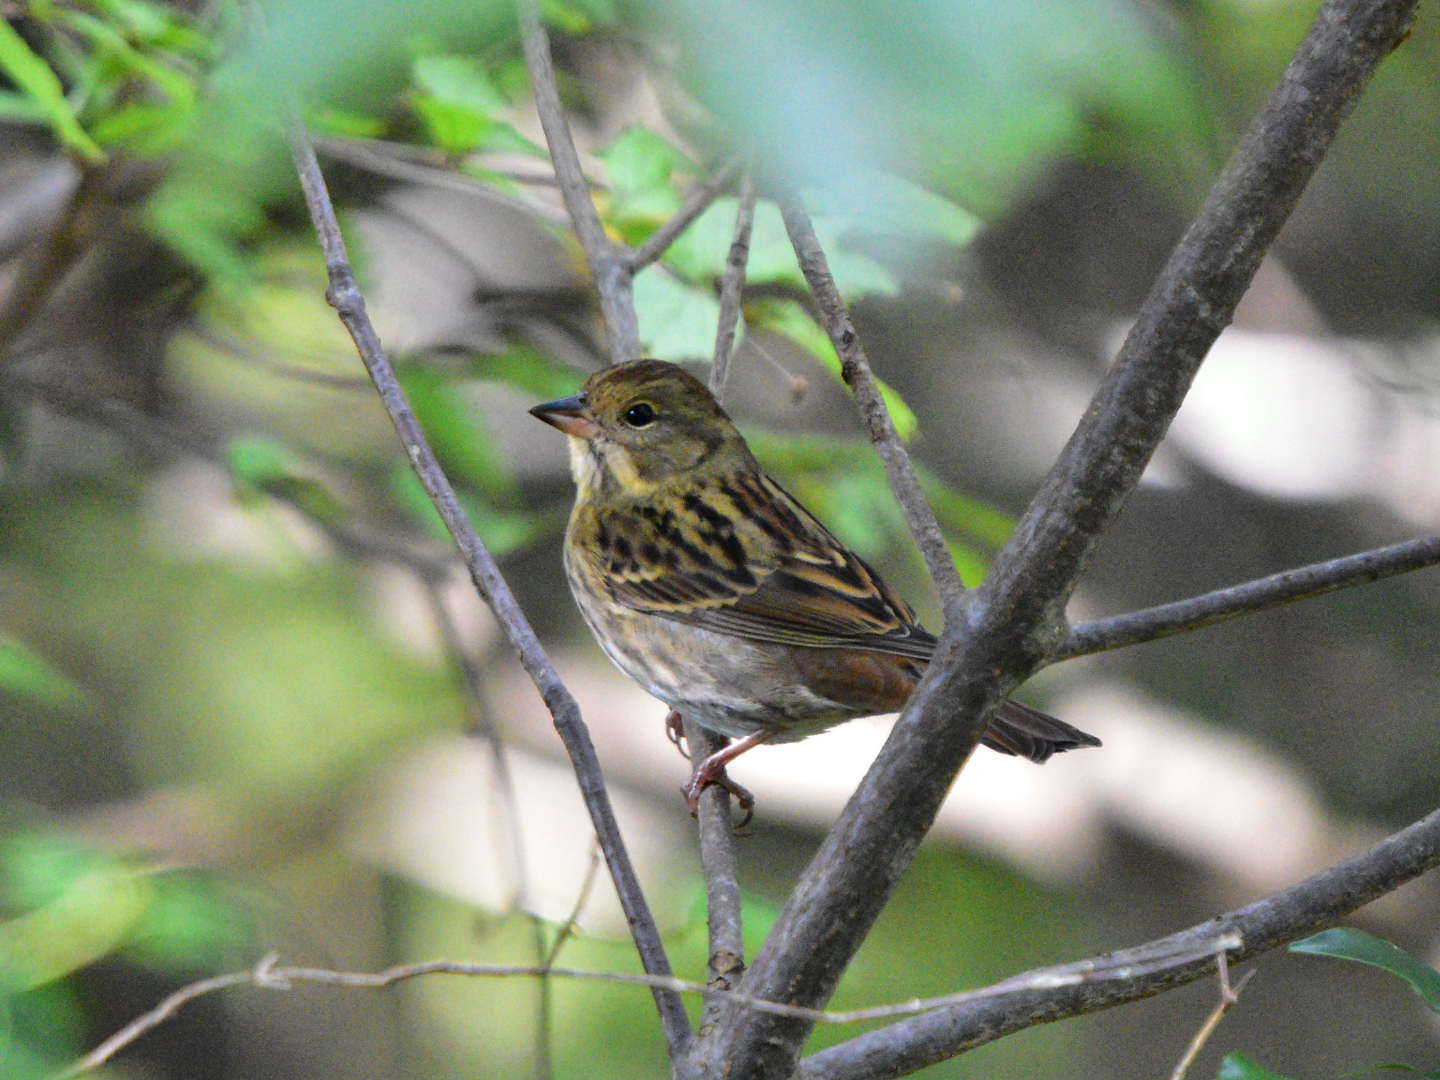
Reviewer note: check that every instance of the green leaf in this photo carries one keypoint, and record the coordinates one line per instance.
(459, 103)
(971, 565)
(1239, 1067)
(343, 123)
(698, 254)
(641, 168)
(789, 319)
(1345, 943)
(96, 902)
(147, 22)
(144, 127)
(457, 80)
(25, 674)
(111, 44)
(268, 466)
(958, 512)
(501, 531)
(35, 78)
(889, 205)
(526, 369)
(677, 321)
(576, 17)
(461, 441)
(204, 219)
(187, 925)
(19, 109)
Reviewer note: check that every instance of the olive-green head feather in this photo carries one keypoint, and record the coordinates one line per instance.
(637, 425)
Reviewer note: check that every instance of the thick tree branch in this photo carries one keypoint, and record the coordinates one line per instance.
(345, 297)
(1283, 588)
(1298, 911)
(855, 369)
(1010, 623)
(697, 201)
(609, 267)
(732, 285)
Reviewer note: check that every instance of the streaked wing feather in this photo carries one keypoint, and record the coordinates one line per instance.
(742, 557)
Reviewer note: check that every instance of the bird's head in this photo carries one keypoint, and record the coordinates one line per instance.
(636, 425)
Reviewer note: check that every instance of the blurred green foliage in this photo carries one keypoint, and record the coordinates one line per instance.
(63, 907)
(242, 665)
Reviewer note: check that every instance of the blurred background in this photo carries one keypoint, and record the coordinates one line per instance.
(250, 703)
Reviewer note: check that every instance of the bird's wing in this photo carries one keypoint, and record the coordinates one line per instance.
(740, 556)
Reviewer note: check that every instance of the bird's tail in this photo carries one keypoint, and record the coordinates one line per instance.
(1024, 732)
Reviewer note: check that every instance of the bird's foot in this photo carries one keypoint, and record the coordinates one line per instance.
(705, 775)
(675, 732)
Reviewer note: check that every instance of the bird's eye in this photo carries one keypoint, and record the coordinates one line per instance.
(641, 414)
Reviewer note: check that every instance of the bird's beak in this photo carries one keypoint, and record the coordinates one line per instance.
(570, 415)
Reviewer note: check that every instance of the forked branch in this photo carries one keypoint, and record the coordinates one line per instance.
(1012, 622)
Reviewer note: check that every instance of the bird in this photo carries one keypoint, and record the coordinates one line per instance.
(712, 587)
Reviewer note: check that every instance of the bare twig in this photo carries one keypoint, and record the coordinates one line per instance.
(361, 155)
(609, 267)
(1006, 627)
(269, 976)
(697, 200)
(567, 928)
(1228, 997)
(152, 1019)
(1024, 1000)
(722, 880)
(732, 285)
(345, 297)
(1259, 595)
(547, 957)
(482, 724)
(855, 369)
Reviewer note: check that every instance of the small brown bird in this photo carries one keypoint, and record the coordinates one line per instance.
(710, 586)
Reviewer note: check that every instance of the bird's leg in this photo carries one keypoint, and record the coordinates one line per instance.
(675, 732)
(712, 771)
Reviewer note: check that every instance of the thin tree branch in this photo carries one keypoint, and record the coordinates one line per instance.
(482, 725)
(722, 879)
(1034, 997)
(717, 838)
(568, 927)
(697, 201)
(1006, 627)
(1259, 595)
(855, 369)
(544, 1068)
(1228, 998)
(1319, 901)
(153, 1019)
(359, 155)
(609, 267)
(732, 285)
(345, 297)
